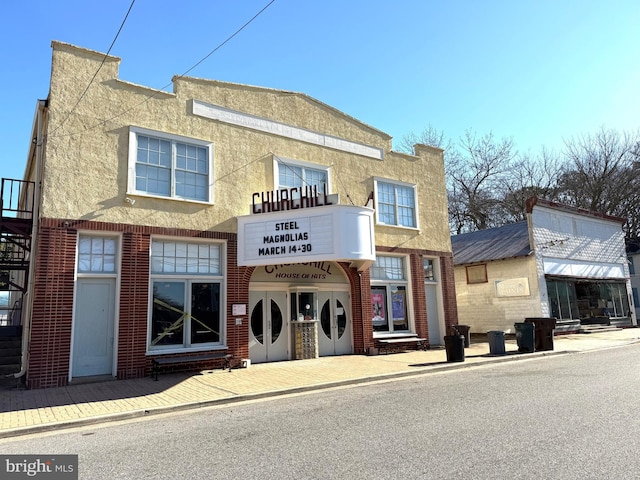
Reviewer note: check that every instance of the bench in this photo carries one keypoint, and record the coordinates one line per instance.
(386, 344)
(157, 362)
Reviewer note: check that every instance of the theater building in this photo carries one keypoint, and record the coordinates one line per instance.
(222, 218)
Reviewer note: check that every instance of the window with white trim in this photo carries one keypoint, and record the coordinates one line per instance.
(294, 173)
(187, 301)
(429, 269)
(396, 204)
(96, 254)
(170, 166)
(390, 295)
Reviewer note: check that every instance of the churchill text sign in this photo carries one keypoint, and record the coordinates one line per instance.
(291, 199)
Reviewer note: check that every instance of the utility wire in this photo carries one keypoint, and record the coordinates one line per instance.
(102, 122)
(104, 59)
(229, 38)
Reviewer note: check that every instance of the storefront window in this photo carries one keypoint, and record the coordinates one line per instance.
(389, 300)
(562, 297)
(586, 300)
(187, 304)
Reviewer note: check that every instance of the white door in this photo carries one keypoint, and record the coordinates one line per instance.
(334, 329)
(93, 326)
(433, 319)
(268, 327)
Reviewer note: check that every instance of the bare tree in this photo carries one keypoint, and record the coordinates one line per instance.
(602, 174)
(477, 173)
(531, 176)
(488, 181)
(429, 136)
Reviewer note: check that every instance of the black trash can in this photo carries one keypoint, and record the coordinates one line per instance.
(544, 330)
(454, 345)
(496, 342)
(526, 337)
(464, 331)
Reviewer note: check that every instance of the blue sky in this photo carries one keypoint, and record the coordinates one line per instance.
(537, 71)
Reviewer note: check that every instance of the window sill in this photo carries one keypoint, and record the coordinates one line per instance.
(173, 199)
(413, 229)
(394, 334)
(167, 351)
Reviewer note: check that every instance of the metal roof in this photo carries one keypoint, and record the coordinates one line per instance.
(508, 241)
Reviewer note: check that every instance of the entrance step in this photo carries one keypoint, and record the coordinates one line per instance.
(598, 328)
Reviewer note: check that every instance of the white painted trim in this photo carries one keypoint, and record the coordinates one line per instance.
(413, 186)
(582, 269)
(117, 276)
(234, 117)
(277, 160)
(132, 157)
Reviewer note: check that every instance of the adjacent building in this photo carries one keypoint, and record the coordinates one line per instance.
(562, 262)
(219, 218)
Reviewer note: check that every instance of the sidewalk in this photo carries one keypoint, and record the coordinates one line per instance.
(32, 411)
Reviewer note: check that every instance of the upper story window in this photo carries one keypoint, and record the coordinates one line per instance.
(396, 204)
(293, 173)
(170, 166)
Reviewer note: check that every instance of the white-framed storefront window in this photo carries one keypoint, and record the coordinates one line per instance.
(187, 295)
(390, 298)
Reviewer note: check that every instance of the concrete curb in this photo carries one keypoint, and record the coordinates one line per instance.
(137, 414)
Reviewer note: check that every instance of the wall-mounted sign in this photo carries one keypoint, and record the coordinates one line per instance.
(291, 199)
(300, 273)
(514, 287)
(333, 232)
(239, 309)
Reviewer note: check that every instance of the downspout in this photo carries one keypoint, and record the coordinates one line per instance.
(27, 306)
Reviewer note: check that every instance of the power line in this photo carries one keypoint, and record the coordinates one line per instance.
(228, 38)
(104, 59)
(102, 122)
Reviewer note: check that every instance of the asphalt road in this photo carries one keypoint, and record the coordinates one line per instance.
(558, 417)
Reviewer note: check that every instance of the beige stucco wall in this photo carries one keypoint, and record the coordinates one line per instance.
(479, 305)
(86, 158)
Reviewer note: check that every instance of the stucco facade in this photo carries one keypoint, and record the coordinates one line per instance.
(116, 222)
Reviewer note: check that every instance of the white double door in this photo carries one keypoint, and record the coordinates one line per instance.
(334, 326)
(268, 327)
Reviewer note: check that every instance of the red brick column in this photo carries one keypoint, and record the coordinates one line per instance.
(133, 306)
(50, 342)
(448, 283)
(419, 296)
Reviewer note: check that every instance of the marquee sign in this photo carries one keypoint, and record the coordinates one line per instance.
(331, 232)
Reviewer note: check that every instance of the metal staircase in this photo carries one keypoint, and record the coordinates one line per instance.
(16, 229)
